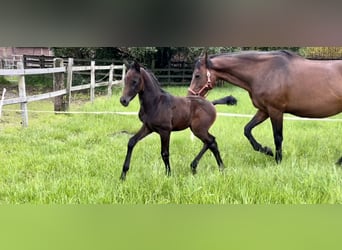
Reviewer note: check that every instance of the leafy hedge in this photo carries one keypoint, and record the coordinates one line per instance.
(322, 52)
(3, 80)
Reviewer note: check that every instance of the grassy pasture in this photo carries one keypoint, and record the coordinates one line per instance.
(77, 159)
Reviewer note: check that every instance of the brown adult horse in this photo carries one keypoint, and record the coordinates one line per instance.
(277, 82)
(162, 113)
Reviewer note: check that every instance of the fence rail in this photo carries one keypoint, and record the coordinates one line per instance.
(175, 74)
(17, 72)
(42, 61)
(62, 89)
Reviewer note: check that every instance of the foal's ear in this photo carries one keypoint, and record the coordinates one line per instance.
(136, 66)
(126, 63)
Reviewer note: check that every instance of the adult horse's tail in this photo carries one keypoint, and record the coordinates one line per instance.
(228, 100)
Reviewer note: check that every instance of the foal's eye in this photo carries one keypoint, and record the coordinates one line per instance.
(197, 76)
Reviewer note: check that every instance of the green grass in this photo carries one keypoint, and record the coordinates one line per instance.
(77, 159)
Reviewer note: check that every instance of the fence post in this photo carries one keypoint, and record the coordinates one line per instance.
(42, 62)
(22, 93)
(25, 61)
(92, 81)
(58, 84)
(69, 82)
(2, 100)
(123, 73)
(169, 73)
(110, 81)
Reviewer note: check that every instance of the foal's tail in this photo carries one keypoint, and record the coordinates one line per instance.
(228, 100)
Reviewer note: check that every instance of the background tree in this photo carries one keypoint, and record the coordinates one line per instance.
(91, 53)
(154, 57)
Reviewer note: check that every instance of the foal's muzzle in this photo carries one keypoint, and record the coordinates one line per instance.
(124, 101)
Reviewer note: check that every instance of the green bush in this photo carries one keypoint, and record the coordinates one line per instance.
(3, 80)
(321, 52)
(39, 80)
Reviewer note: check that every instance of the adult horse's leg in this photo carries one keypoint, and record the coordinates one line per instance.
(258, 118)
(144, 131)
(165, 144)
(277, 126)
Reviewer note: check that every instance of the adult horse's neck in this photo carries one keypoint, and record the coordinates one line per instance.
(236, 69)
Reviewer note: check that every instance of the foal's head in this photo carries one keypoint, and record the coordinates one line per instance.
(133, 83)
(202, 80)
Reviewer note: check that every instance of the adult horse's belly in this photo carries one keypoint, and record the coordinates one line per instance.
(314, 89)
(314, 106)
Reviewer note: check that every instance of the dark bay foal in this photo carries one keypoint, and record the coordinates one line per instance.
(162, 113)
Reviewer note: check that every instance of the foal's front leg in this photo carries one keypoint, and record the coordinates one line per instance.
(144, 131)
(165, 144)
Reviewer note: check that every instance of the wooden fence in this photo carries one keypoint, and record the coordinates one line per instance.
(32, 61)
(42, 61)
(174, 74)
(61, 93)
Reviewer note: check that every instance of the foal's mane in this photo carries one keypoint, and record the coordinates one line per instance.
(153, 78)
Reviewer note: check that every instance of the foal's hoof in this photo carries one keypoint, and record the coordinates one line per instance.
(278, 157)
(267, 151)
(123, 176)
(221, 168)
(339, 162)
(193, 167)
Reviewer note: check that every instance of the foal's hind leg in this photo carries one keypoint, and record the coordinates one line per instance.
(258, 118)
(194, 163)
(214, 149)
(209, 143)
